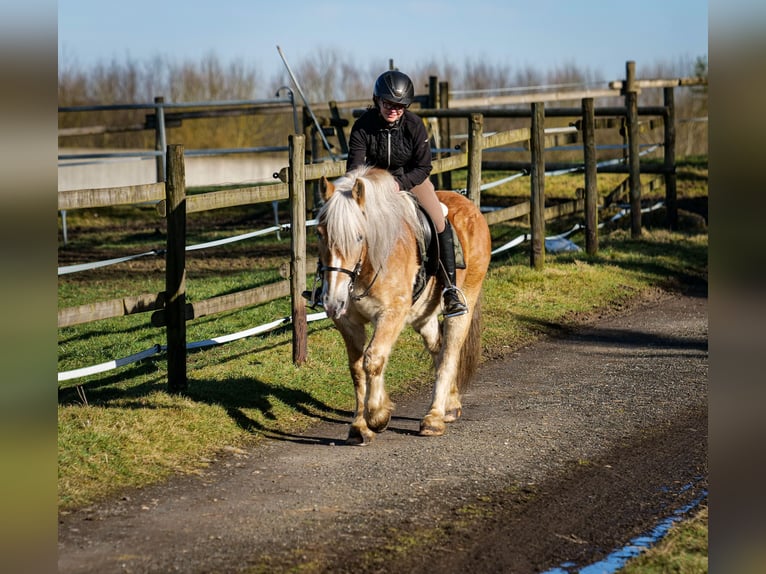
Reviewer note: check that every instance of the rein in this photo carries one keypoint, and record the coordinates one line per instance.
(354, 275)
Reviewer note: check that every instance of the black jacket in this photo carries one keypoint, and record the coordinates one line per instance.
(403, 149)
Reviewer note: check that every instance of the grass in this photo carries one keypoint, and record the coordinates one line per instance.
(122, 429)
(682, 551)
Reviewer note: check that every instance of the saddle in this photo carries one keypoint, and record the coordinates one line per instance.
(429, 250)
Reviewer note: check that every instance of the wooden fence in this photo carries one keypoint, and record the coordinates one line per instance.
(170, 309)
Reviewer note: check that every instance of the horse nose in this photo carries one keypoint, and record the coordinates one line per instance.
(334, 307)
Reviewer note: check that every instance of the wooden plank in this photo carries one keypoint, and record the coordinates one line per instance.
(475, 141)
(95, 130)
(297, 185)
(175, 269)
(531, 98)
(591, 187)
(160, 140)
(234, 197)
(505, 138)
(562, 139)
(669, 160)
(456, 161)
(565, 208)
(108, 309)
(600, 123)
(229, 302)
(313, 171)
(653, 184)
(246, 298)
(614, 195)
(339, 123)
(508, 213)
(444, 133)
(660, 83)
(631, 127)
(106, 196)
(537, 187)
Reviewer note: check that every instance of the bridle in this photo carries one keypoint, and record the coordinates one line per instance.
(353, 274)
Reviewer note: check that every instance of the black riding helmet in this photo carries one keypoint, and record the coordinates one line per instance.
(394, 86)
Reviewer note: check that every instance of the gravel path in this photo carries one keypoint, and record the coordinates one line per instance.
(566, 450)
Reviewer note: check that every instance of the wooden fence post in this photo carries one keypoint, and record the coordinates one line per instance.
(475, 136)
(433, 87)
(175, 269)
(297, 189)
(634, 172)
(444, 132)
(591, 189)
(160, 144)
(671, 202)
(537, 184)
(433, 103)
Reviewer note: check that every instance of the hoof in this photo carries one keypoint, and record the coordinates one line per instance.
(431, 429)
(452, 415)
(356, 437)
(378, 419)
(379, 426)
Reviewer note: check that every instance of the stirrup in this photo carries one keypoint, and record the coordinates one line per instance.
(453, 306)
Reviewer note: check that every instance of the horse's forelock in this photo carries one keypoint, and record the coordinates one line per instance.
(343, 220)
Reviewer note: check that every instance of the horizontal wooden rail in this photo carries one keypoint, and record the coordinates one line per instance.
(624, 186)
(607, 111)
(508, 213)
(564, 208)
(109, 309)
(314, 171)
(456, 161)
(561, 166)
(245, 298)
(530, 98)
(660, 83)
(505, 138)
(107, 196)
(235, 197)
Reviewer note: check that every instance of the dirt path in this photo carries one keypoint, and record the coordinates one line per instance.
(566, 450)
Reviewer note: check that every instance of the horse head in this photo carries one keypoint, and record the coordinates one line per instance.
(342, 246)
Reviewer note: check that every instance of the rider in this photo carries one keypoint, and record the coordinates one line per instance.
(391, 137)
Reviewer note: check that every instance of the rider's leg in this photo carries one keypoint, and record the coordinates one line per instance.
(426, 197)
(453, 304)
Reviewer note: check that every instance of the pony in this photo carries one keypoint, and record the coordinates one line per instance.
(369, 262)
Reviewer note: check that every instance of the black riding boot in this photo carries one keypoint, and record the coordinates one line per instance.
(454, 304)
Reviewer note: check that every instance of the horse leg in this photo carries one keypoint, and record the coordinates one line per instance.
(379, 406)
(445, 404)
(428, 328)
(430, 331)
(353, 337)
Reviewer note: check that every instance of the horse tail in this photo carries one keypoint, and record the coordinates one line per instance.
(471, 350)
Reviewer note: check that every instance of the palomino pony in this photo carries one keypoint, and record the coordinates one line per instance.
(369, 259)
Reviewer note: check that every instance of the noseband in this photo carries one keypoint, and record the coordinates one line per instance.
(353, 274)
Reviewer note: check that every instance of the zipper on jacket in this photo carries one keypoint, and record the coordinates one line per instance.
(388, 148)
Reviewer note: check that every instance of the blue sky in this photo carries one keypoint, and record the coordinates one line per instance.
(600, 35)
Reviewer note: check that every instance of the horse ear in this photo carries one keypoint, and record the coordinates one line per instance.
(327, 188)
(357, 192)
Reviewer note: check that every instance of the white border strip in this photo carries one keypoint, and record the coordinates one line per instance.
(109, 365)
